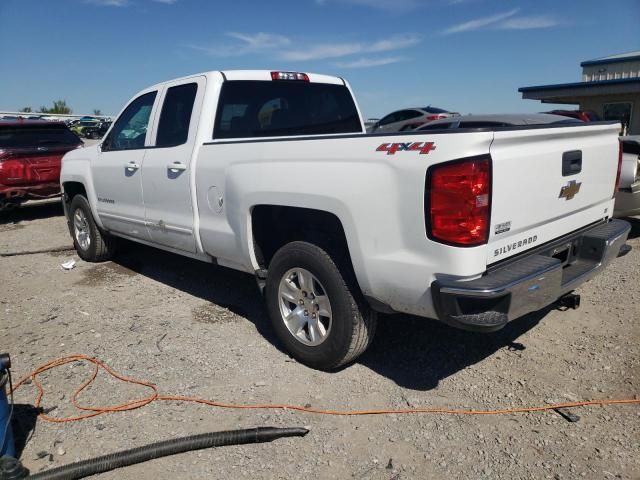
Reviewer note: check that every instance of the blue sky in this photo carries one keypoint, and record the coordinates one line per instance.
(464, 55)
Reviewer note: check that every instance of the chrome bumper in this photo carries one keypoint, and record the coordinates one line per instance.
(529, 283)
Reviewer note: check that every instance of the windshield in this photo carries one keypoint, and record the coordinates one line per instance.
(25, 136)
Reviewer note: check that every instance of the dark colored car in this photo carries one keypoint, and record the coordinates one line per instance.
(96, 132)
(30, 160)
(584, 115)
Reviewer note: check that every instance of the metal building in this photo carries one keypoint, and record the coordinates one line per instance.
(610, 87)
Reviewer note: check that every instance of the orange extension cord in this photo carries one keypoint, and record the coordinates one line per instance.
(155, 396)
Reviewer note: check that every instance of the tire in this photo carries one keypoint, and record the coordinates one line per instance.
(91, 244)
(342, 335)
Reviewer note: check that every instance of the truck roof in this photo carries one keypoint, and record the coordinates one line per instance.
(264, 75)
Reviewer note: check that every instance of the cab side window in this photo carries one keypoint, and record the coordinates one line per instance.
(130, 129)
(173, 128)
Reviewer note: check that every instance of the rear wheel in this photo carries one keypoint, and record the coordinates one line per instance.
(91, 244)
(318, 315)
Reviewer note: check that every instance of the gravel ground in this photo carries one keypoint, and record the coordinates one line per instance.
(198, 330)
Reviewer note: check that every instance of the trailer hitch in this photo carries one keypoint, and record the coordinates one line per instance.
(570, 300)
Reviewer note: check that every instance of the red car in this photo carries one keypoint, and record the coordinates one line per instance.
(30, 159)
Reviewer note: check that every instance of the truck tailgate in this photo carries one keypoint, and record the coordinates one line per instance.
(548, 182)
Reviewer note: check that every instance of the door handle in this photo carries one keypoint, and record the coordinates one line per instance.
(176, 167)
(132, 166)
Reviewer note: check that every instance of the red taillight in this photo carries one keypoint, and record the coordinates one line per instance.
(458, 201)
(615, 189)
(290, 76)
(436, 117)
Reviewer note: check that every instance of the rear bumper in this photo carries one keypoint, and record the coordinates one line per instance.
(628, 201)
(530, 283)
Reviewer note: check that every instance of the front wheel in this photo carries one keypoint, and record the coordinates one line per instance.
(91, 244)
(318, 315)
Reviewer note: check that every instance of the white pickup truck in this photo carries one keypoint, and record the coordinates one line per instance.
(272, 173)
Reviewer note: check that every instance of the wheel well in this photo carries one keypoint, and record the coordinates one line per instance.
(71, 189)
(273, 226)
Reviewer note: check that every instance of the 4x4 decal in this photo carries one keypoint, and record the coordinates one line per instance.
(391, 148)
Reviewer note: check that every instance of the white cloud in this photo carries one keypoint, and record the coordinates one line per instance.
(527, 23)
(261, 40)
(505, 21)
(249, 43)
(397, 5)
(123, 3)
(109, 3)
(369, 62)
(336, 50)
(280, 47)
(480, 22)
(394, 43)
(327, 50)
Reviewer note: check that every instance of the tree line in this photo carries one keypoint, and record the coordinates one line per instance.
(59, 107)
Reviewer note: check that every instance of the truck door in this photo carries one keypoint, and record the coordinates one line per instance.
(117, 170)
(166, 175)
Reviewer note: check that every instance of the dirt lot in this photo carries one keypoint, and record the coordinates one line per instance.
(199, 330)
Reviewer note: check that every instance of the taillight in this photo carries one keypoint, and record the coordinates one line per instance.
(436, 117)
(615, 189)
(458, 201)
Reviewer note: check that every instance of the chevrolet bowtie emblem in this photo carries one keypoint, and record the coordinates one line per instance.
(570, 190)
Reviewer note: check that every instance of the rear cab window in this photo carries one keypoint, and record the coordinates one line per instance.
(254, 108)
(173, 128)
(37, 135)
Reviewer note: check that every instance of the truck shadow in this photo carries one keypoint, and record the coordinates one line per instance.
(413, 352)
(231, 289)
(417, 353)
(32, 211)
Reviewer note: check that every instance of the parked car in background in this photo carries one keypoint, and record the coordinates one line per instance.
(96, 132)
(628, 194)
(397, 121)
(79, 128)
(497, 120)
(369, 122)
(584, 115)
(30, 159)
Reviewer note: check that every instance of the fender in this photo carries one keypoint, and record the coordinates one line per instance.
(76, 167)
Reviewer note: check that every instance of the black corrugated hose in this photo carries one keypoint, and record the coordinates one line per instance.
(112, 461)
